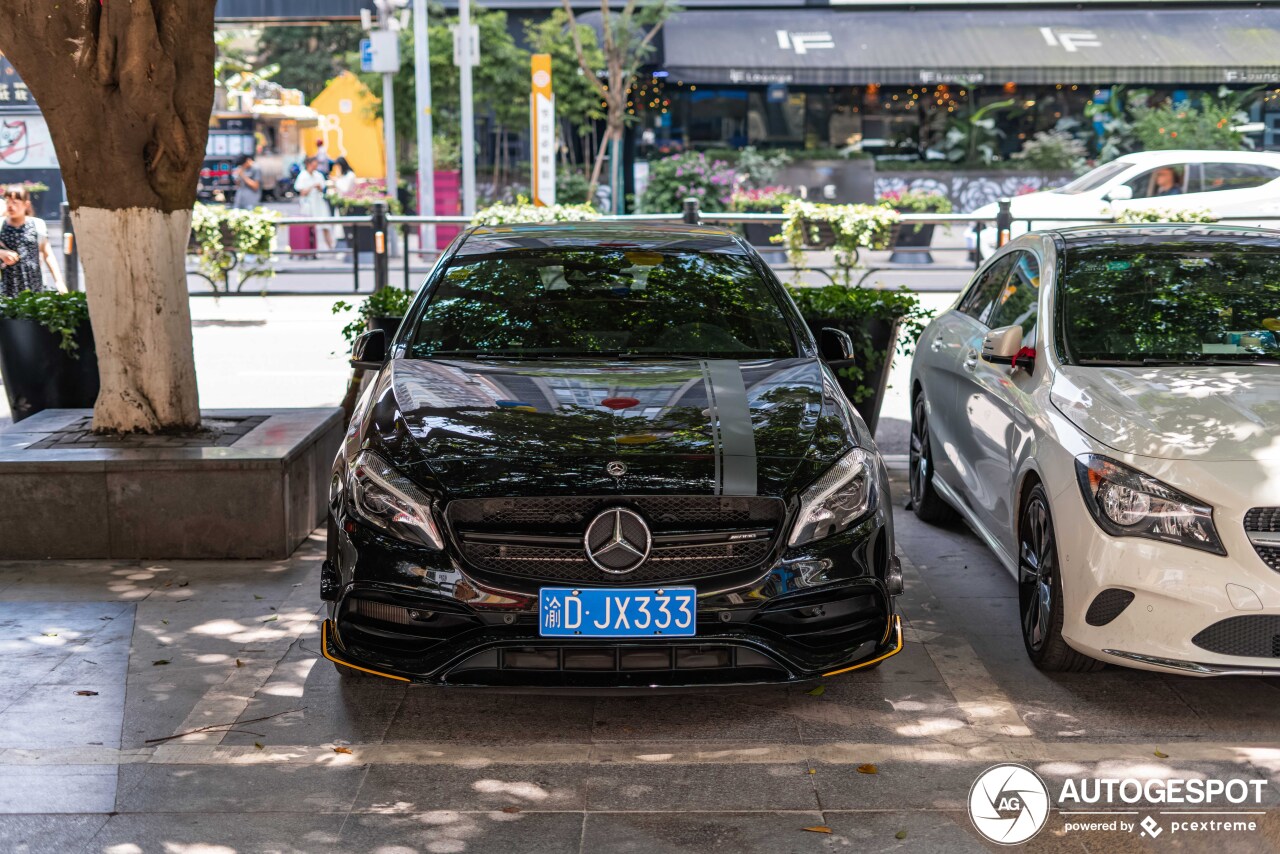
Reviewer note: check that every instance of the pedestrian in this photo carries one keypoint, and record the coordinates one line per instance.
(341, 183)
(311, 187)
(248, 183)
(23, 240)
(322, 158)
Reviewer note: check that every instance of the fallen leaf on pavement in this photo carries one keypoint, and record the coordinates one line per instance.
(270, 619)
(813, 770)
(258, 744)
(86, 693)
(820, 828)
(239, 663)
(342, 750)
(901, 834)
(868, 769)
(511, 809)
(1160, 755)
(817, 692)
(159, 662)
(256, 596)
(166, 622)
(50, 634)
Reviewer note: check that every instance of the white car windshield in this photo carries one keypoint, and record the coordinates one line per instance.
(1093, 180)
(1176, 299)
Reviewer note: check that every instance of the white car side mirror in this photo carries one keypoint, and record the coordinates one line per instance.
(1003, 346)
(1122, 193)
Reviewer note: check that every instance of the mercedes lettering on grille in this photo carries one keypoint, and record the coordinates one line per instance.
(617, 541)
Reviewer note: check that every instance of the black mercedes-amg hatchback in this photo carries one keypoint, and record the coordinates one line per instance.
(606, 455)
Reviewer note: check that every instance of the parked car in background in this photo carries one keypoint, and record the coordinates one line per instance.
(1102, 406)
(1223, 183)
(607, 455)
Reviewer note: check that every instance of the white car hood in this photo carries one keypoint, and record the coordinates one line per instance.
(1051, 204)
(1207, 413)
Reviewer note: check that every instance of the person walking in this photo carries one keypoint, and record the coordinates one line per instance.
(311, 186)
(248, 184)
(341, 183)
(24, 239)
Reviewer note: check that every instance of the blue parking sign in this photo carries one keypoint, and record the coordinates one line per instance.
(366, 55)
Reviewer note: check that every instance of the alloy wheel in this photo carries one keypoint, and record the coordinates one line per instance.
(1036, 567)
(919, 457)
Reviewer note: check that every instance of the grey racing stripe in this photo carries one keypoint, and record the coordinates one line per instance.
(731, 423)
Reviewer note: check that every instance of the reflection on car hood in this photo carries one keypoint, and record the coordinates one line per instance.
(713, 426)
(1202, 413)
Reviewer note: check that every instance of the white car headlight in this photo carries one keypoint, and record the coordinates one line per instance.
(835, 500)
(388, 500)
(1127, 503)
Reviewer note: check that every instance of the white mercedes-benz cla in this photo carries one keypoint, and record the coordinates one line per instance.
(1102, 406)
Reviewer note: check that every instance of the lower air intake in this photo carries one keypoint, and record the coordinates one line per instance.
(1107, 605)
(1254, 636)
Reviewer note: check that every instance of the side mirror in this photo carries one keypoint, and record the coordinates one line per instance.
(370, 351)
(835, 345)
(1122, 193)
(1003, 346)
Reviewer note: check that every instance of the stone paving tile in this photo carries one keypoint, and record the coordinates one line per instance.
(694, 833)
(48, 834)
(678, 788)
(944, 832)
(756, 715)
(57, 788)
(409, 789)
(905, 713)
(220, 833)
(485, 717)
(53, 715)
(242, 788)
(472, 832)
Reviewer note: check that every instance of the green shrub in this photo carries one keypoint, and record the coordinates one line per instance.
(62, 314)
(688, 175)
(388, 302)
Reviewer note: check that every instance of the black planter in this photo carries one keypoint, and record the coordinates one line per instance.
(884, 338)
(38, 374)
(359, 238)
(758, 234)
(912, 237)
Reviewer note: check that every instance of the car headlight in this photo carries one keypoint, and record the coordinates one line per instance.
(1127, 503)
(836, 499)
(388, 500)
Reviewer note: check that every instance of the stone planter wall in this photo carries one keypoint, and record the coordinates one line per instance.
(969, 190)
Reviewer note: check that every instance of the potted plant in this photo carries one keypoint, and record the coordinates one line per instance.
(761, 200)
(879, 322)
(358, 203)
(385, 310)
(917, 236)
(222, 238)
(47, 354)
(522, 210)
(689, 175)
(845, 228)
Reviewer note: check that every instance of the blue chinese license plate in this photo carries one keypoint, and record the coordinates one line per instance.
(617, 613)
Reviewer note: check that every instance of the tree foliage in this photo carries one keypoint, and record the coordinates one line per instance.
(308, 57)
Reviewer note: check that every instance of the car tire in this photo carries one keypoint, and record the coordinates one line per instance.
(928, 505)
(1040, 608)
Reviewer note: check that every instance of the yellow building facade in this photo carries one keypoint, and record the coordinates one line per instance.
(349, 126)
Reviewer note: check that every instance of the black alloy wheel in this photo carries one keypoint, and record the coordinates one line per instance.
(929, 506)
(1040, 591)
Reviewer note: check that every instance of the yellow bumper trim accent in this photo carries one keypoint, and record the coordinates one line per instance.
(324, 650)
(897, 625)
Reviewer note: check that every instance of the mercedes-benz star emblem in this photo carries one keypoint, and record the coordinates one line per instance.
(617, 541)
(616, 468)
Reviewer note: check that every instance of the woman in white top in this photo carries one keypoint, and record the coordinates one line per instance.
(342, 182)
(310, 186)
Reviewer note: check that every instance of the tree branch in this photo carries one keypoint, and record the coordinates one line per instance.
(587, 70)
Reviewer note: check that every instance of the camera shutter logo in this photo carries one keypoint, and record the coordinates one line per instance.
(1009, 804)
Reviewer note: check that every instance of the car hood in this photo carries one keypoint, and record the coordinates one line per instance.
(1202, 413)
(530, 427)
(1051, 204)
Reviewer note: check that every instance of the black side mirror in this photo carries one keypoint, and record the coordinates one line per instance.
(370, 350)
(835, 345)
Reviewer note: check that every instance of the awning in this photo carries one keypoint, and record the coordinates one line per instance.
(833, 46)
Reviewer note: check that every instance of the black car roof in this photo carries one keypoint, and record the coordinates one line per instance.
(1080, 235)
(485, 240)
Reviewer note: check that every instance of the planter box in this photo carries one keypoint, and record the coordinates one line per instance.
(837, 182)
(39, 374)
(969, 190)
(253, 494)
(884, 338)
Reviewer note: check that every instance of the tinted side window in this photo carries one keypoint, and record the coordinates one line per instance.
(1237, 176)
(1018, 303)
(1145, 186)
(986, 289)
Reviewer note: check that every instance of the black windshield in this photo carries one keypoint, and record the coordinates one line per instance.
(603, 302)
(1173, 300)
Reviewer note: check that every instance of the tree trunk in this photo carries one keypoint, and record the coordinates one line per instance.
(137, 313)
(127, 90)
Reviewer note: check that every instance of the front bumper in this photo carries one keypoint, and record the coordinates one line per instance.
(421, 617)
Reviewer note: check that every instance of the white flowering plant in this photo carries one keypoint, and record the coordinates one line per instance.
(219, 232)
(524, 211)
(1163, 215)
(852, 228)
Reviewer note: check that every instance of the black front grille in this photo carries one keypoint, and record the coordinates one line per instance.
(1106, 606)
(1255, 636)
(541, 538)
(618, 665)
(1265, 520)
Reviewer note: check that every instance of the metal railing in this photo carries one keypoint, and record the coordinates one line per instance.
(382, 225)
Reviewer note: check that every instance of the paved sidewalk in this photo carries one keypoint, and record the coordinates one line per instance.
(291, 759)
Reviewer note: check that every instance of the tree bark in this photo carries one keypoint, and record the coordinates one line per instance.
(126, 87)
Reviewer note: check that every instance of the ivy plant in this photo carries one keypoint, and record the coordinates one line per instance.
(388, 302)
(62, 314)
(223, 233)
(854, 310)
(854, 227)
